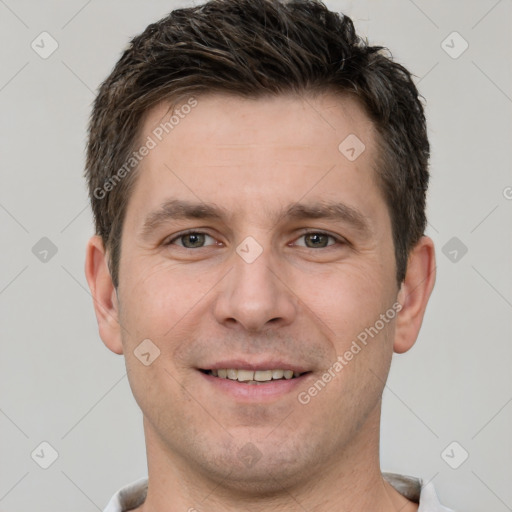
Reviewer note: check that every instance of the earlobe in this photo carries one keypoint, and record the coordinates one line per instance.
(415, 293)
(103, 293)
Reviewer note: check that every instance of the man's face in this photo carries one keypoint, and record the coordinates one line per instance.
(288, 258)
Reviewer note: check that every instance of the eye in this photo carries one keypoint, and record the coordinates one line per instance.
(317, 239)
(192, 240)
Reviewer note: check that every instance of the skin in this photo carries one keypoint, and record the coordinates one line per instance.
(295, 303)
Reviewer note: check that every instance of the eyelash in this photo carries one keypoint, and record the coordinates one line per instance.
(337, 240)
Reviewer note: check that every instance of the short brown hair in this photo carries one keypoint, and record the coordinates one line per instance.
(256, 48)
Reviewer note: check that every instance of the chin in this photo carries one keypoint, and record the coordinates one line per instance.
(254, 470)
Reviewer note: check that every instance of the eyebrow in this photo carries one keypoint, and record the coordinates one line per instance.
(331, 211)
(176, 209)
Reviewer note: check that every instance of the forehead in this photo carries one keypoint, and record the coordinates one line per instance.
(234, 124)
(270, 151)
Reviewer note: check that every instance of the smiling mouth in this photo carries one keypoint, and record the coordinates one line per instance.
(253, 376)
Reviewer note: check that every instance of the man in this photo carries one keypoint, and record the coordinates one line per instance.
(258, 177)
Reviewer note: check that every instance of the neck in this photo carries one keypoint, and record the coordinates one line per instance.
(348, 481)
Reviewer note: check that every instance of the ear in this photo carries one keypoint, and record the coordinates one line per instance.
(414, 294)
(103, 294)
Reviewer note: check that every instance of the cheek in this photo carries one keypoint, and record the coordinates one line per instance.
(158, 394)
(349, 304)
(160, 296)
(348, 299)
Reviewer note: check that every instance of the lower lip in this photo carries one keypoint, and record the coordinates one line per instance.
(255, 392)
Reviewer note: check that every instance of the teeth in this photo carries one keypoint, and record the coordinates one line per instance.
(244, 375)
(253, 377)
(263, 375)
(277, 374)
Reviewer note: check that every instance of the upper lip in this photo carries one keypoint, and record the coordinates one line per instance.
(268, 364)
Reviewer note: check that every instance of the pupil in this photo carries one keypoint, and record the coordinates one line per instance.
(316, 240)
(193, 240)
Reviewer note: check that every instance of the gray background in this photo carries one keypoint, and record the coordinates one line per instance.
(60, 385)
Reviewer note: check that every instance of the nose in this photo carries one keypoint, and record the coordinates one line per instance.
(254, 295)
